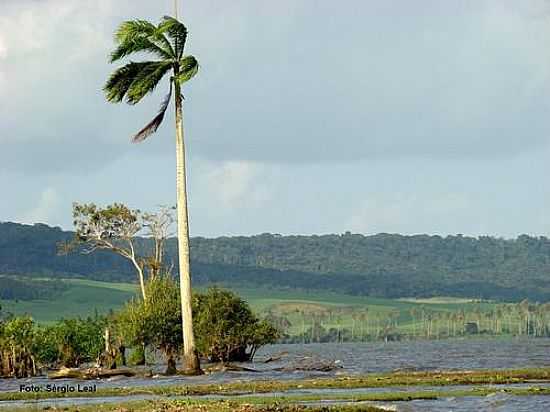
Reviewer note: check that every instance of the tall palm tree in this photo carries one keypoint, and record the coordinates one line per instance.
(132, 82)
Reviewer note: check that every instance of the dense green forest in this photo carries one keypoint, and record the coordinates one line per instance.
(384, 265)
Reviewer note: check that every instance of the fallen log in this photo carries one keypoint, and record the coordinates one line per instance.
(89, 373)
(275, 358)
(225, 367)
(311, 365)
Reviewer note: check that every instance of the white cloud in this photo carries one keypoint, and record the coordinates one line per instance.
(45, 209)
(231, 186)
(3, 48)
(51, 55)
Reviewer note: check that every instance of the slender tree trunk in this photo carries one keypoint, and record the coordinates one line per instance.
(190, 356)
(139, 270)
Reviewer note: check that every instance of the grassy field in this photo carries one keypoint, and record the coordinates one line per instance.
(84, 297)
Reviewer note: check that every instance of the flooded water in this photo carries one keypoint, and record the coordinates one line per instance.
(428, 355)
(367, 358)
(493, 403)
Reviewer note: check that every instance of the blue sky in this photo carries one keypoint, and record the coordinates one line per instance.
(306, 117)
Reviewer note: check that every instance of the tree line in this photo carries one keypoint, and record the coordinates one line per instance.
(381, 265)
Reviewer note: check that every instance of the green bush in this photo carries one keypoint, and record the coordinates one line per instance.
(79, 340)
(16, 347)
(46, 347)
(226, 328)
(24, 346)
(155, 322)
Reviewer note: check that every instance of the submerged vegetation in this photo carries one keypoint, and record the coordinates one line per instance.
(290, 395)
(214, 406)
(226, 326)
(26, 347)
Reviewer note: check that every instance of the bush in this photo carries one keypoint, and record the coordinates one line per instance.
(155, 322)
(226, 328)
(77, 340)
(16, 347)
(46, 346)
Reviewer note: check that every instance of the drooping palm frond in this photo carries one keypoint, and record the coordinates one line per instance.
(177, 32)
(141, 36)
(120, 81)
(154, 124)
(147, 80)
(188, 68)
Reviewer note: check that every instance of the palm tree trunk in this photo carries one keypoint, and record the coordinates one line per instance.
(190, 356)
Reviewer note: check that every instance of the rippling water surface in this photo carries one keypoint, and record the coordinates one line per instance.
(376, 357)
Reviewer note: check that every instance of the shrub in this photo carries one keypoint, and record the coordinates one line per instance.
(16, 347)
(78, 340)
(226, 328)
(155, 322)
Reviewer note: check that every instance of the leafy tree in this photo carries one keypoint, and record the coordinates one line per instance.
(165, 41)
(78, 340)
(115, 228)
(16, 347)
(155, 322)
(111, 228)
(227, 330)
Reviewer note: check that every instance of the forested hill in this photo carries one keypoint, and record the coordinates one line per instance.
(387, 265)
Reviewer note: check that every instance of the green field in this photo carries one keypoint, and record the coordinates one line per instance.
(85, 297)
(82, 298)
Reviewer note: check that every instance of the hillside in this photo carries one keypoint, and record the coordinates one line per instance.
(384, 265)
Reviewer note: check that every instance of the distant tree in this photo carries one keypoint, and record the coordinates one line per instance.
(112, 228)
(115, 228)
(158, 227)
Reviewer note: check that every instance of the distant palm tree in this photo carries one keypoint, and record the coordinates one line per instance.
(132, 82)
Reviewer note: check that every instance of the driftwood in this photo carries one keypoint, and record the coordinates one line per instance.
(311, 364)
(89, 373)
(227, 367)
(275, 358)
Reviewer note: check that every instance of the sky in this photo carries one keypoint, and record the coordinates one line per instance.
(307, 116)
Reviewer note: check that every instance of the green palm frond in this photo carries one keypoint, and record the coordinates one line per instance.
(154, 124)
(147, 80)
(176, 31)
(120, 81)
(188, 68)
(136, 79)
(140, 35)
(136, 45)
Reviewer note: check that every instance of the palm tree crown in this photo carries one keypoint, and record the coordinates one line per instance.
(136, 79)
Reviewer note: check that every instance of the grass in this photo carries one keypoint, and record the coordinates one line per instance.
(208, 406)
(288, 402)
(84, 297)
(438, 379)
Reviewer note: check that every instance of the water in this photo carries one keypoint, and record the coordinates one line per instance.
(428, 355)
(372, 357)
